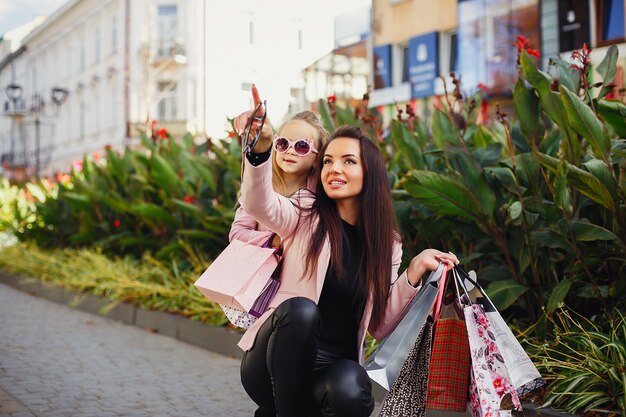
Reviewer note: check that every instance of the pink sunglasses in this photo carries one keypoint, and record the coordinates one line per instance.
(302, 147)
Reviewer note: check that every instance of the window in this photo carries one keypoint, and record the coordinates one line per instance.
(609, 21)
(113, 36)
(251, 33)
(167, 29)
(167, 103)
(405, 63)
(113, 110)
(300, 39)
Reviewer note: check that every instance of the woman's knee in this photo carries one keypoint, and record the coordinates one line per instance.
(299, 312)
(346, 390)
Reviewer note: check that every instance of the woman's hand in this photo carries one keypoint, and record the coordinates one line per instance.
(428, 260)
(240, 122)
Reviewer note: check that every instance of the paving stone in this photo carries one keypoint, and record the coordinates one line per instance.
(59, 361)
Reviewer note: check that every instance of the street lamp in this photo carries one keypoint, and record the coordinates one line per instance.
(14, 92)
(58, 96)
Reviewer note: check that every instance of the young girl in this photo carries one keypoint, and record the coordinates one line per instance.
(339, 279)
(296, 148)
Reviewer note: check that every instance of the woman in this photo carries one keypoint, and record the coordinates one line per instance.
(339, 279)
(296, 143)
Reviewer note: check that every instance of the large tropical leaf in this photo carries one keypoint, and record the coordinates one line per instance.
(608, 67)
(614, 113)
(325, 115)
(585, 122)
(527, 111)
(444, 131)
(407, 145)
(558, 294)
(549, 100)
(505, 293)
(163, 174)
(153, 212)
(583, 181)
(585, 231)
(443, 195)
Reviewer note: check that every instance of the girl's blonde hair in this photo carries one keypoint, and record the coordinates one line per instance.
(320, 140)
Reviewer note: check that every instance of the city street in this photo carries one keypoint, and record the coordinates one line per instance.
(55, 361)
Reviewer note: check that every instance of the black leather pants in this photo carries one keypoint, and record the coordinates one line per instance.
(286, 375)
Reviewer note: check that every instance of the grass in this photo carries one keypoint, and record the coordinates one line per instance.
(147, 283)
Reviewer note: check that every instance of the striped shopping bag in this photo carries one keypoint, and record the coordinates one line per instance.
(448, 379)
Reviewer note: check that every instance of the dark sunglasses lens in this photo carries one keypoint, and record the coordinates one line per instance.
(281, 144)
(301, 147)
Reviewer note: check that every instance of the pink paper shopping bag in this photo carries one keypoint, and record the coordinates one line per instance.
(238, 275)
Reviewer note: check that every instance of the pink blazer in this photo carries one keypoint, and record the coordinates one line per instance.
(281, 215)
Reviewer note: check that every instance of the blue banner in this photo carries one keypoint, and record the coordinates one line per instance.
(423, 64)
(382, 67)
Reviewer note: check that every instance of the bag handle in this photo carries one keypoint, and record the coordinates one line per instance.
(443, 283)
(462, 276)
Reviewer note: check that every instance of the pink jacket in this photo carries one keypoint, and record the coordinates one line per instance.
(247, 229)
(281, 215)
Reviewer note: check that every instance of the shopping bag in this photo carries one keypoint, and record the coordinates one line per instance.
(239, 275)
(407, 397)
(385, 363)
(491, 388)
(448, 378)
(523, 373)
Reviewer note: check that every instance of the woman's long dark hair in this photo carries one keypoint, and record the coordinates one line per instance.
(376, 223)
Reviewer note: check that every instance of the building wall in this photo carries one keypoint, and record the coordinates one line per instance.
(397, 21)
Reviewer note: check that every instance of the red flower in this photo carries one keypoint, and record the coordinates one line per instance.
(533, 52)
(162, 133)
(189, 199)
(523, 44)
(108, 147)
(332, 98)
(78, 165)
(231, 134)
(97, 156)
(482, 87)
(116, 223)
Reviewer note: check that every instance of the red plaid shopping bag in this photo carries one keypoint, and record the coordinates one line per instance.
(448, 379)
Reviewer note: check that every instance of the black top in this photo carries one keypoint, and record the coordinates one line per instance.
(343, 299)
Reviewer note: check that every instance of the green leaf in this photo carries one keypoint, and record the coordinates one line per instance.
(36, 191)
(527, 111)
(444, 131)
(473, 178)
(584, 231)
(482, 137)
(568, 76)
(549, 100)
(583, 181)
(515, 210)
(505, 293)
(163, 174)
(562, 198)
(614, 113)
(407, 145)
(204, 172)
(153, 212)
(79, 201)
(189, 208)
(558, 295)
(584, 121)
(327, 119)
(607, 68)
(443, 195)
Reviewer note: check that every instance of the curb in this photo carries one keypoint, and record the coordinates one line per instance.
(215, 339)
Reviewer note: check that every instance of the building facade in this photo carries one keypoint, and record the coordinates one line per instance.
(417, 41)
(117, 65)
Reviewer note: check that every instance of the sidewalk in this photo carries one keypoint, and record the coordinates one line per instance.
(56, 361)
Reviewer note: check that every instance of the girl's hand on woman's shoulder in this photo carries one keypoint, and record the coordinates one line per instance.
(428, 260)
